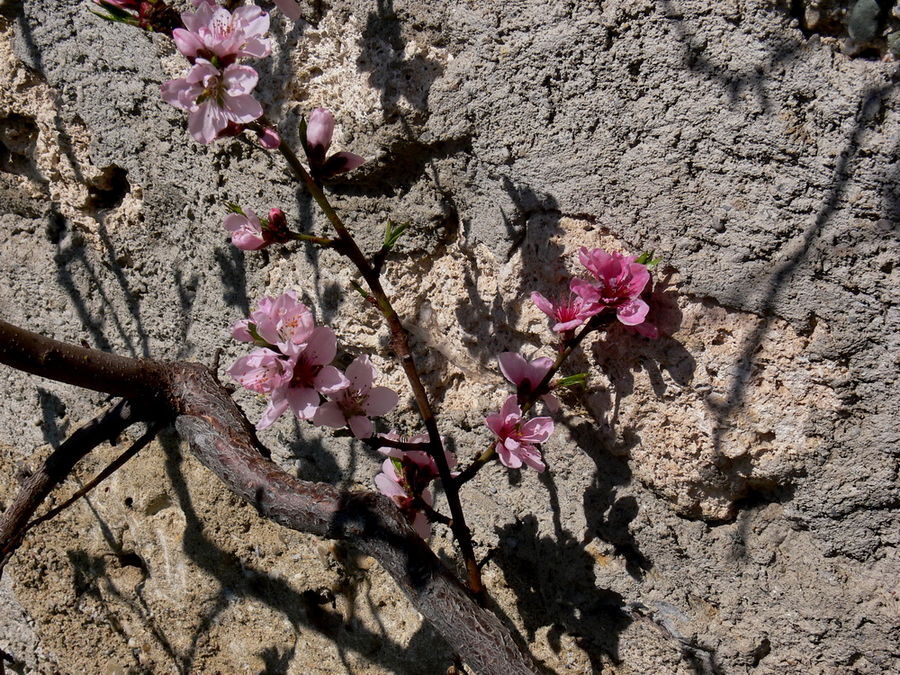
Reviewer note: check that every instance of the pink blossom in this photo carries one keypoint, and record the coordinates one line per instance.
(269, 138)
(262, 371)
(516, 440)
(396, 481)
(319, 130)
(215, 34)
(619, 281)
(569, 312)
(309, 377)
(282, 322)
(214, 98)
(290, 8)
(248, 233)
(527, 375)
(354, 405)
(419, 457)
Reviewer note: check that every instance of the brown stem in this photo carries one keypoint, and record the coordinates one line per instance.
(400, 347)
(63, 362)
(105, 427)
(568, 347)
(380, 442)
(108, 471)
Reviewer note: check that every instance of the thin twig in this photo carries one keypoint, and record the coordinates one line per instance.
(104, 428)
(114, 466)
(400, 346)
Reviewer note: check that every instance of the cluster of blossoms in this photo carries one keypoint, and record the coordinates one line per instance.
(216, 91)
(291, 366)
(405, 477)
(617, 285)
(517, 439)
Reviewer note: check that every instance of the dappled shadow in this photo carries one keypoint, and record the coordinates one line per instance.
(871, 103)
(735, 82)
(73, 264)
(303, 610)
(390, 73)
(530, 228)
(553, 580)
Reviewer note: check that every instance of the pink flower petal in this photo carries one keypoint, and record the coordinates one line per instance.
(361, 373)
(272, 413)
(322, 346)
(320, 128)
(239, 79)
(206, 121)
(633, 313)
(347, 161)
(329, 414)
(537, 430)
(330, 380)
(513, 366)
(303, 401)
(361, 426)
(380, 401)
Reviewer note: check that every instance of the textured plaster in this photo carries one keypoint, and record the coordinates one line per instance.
(721, 500)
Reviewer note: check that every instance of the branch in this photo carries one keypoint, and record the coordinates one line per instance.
(105, 427)
(222, 439)
(108, 471)
(83, 367)
(400, 347)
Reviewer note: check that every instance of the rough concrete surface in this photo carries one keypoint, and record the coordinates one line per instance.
(722, 500)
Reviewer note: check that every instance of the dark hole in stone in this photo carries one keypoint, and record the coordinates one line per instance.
(17, 136)
(109, 189)
(128, 502)
(131, 559)
(56, 226)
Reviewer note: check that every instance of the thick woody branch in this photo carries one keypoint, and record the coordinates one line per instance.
(213, 425)
(83, 367)
(223, 440)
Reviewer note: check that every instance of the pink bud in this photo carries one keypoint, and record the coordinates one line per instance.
(277, 220)
(320, 128)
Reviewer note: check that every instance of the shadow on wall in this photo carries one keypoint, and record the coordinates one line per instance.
(870, 109)
(553, 576)
(309, 610)
(390, 73)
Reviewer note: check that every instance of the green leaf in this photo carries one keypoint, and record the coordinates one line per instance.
(234, 208)
(578, 380)
(359, 289)
(110, 17)
(303, 125)
(866, 20)
(646, 258)
(392, 233)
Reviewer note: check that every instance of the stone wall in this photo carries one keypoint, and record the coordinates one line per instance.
(722, 500)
